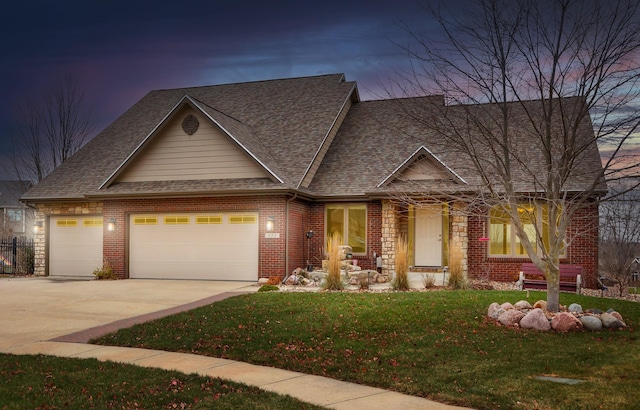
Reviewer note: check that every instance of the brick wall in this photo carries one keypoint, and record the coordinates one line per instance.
(272, 250)
(583, 250)
(318, 242)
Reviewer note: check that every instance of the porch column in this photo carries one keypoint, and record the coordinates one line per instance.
(388, 238)
(459, 233)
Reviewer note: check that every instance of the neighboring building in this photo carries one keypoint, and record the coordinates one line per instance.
(16, 218)
(224, 182)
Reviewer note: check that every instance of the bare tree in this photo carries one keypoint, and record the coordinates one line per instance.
(563, 72)
(50, 129)
(620, 236)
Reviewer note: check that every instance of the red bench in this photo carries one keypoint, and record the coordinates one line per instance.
(533, 278)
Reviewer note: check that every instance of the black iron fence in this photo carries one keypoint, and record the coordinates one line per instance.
(16, 256)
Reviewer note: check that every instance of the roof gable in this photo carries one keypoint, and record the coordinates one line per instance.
(172, 153)
(420, 166)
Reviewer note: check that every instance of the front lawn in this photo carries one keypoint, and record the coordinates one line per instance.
(47, 382)
(432, 344)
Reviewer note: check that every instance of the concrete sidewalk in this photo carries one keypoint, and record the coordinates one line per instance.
(44, 316)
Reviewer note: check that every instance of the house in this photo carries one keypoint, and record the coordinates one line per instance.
(227, 182)
(16, 218)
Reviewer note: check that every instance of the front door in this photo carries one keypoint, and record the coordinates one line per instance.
(428, 236)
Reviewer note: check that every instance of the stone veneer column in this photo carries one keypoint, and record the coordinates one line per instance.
(389, 233)
(459, 233)
(39, 243)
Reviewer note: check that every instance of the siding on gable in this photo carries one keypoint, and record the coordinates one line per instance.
(207, 154)
(423, 169)
(306, 181)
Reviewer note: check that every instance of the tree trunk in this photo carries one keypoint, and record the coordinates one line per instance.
(552, 274)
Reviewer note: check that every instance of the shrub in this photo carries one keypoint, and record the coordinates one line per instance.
(401, 280)
(274, 280)
(428, 281)
(268, 288)
(457, 279)
(105, 272)
(334, 280)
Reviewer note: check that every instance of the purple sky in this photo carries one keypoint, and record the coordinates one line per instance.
(118, 51)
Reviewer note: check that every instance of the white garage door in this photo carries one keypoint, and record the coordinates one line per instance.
(212, 246)
(75, 245)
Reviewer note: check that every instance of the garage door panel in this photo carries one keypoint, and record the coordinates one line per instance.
(75, 246)
(208, 247)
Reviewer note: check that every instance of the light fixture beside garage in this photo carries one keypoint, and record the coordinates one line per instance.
(37, 226)
(270, 224)
(111, 224)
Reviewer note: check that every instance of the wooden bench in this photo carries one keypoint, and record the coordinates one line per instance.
(533, 278)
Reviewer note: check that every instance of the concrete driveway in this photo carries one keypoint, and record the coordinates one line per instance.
(40, 309)
(41, 316)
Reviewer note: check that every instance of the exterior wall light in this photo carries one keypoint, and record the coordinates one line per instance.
(270, 224)
(111, 224)
(37, 226)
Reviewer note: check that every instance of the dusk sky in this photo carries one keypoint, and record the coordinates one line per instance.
(118, 51)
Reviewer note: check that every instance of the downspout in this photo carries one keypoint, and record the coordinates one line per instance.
(286, 236)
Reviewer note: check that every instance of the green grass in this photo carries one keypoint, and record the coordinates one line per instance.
(47, 382)
(437, 345)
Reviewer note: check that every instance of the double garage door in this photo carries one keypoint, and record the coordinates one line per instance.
(210, 246)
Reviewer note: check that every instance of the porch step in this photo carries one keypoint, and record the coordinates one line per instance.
(426, 269)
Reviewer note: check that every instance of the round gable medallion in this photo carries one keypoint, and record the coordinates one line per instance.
(190, 124)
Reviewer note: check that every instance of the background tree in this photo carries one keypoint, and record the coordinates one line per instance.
(620, 236)
(511, 52)
(49, 130)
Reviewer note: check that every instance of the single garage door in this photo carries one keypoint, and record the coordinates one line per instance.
(75, 245)
(210, 246)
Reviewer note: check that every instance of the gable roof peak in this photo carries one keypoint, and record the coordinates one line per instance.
(420, 152)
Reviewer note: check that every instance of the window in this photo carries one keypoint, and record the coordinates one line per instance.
(16, 215)
(66, 223)
(242, 219)
(176, 220)
(209, 220)
(350, 223)
(503, 240)
(145, 220)
(91, 222)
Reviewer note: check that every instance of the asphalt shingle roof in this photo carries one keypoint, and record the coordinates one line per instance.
(282, 124)
(281, 121)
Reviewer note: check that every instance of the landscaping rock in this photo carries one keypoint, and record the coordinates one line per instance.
(522, 304)
(510, 317)
(292, 280)
(616, 315)
(592, 323)
(575, 308)
(506, 306)
(594, 311)
(535, 319)
(492, 312)
(565, 322)
(542, 304)
(611, 322)
(263, 281)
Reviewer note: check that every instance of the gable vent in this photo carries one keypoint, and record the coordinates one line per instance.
(190, 124)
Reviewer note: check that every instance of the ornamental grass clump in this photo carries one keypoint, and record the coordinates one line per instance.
(457, 279)
(334, 280)
(401, 280)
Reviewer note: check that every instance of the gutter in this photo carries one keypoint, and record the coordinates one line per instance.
(286, 235)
